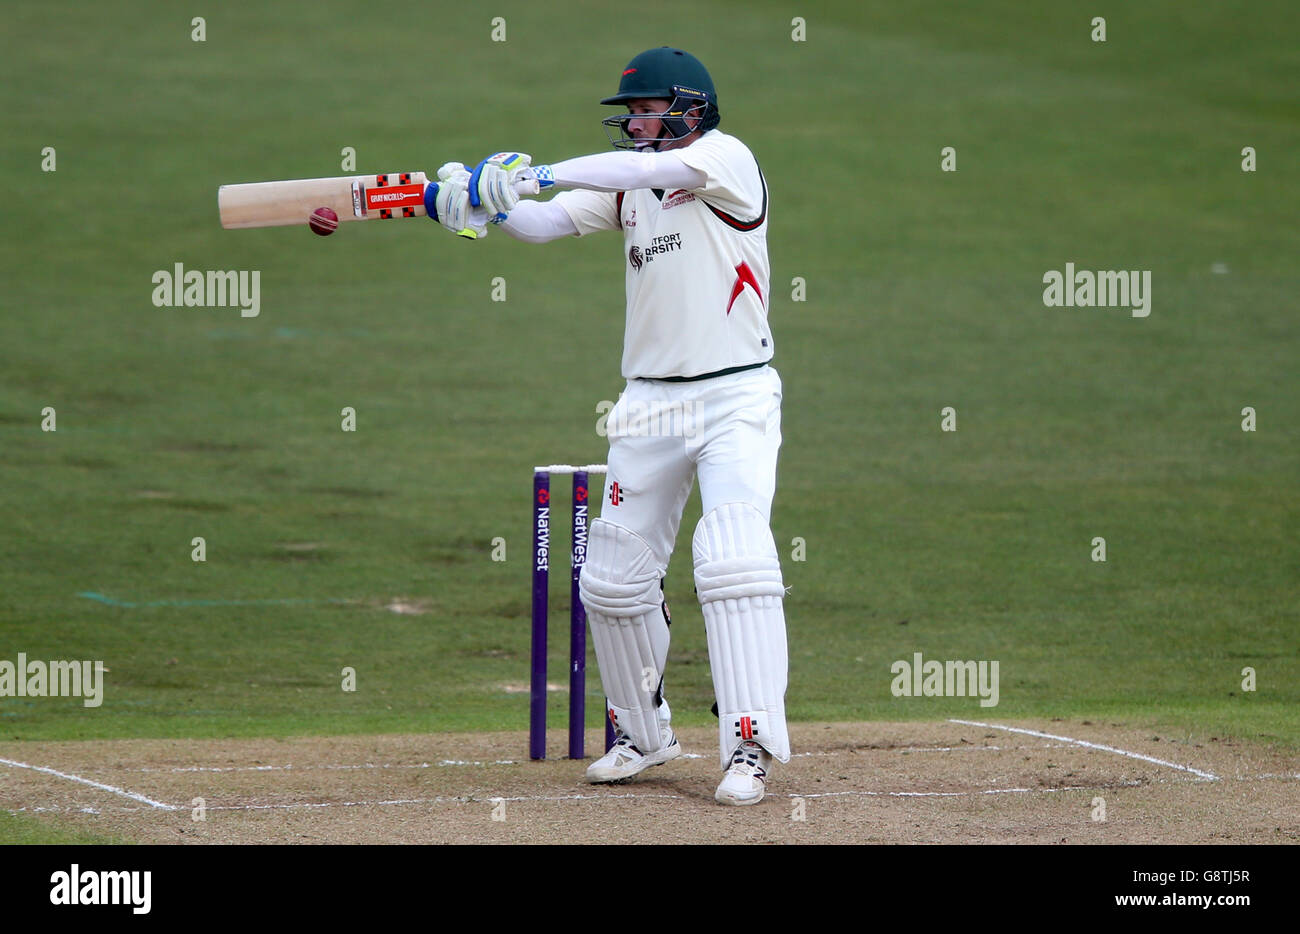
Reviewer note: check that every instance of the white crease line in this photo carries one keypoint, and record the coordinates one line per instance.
(629, 794)
(464, 762)
(442, 799)
(958, 794)
(477, 799)
(317, 804)
(57, 809)
(307, 768)
(442, 763)
(113, 789)
(973, 748)
(916, 794)
(1208, 776)
(295, 768)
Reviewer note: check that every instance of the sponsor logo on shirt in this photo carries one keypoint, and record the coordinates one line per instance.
(631, 219)
(639, 256)
(666, 243)
(676, 198)
(744, 277)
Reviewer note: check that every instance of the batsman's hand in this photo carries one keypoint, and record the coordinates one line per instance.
(492, 183)
(448, 202)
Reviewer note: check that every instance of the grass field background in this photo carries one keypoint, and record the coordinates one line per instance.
(924, 290)
(25, 829)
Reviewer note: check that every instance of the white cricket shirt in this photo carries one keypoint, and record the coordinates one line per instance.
(697, 271)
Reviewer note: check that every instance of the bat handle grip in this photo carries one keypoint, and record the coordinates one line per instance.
(527, 186)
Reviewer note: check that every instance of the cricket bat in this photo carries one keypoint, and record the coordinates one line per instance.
(352, 198)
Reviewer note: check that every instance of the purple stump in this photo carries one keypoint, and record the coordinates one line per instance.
(541, 571)
(578, 621)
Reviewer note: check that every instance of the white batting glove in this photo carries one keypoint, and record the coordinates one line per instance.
(492, 183)
(451, 203)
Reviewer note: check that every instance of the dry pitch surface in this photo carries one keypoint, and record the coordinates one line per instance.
(946, 782)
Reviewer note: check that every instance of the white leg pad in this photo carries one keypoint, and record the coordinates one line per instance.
(621, 593)
(738, 579)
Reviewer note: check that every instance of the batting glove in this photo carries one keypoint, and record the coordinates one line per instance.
(448, 202)
(492, 183)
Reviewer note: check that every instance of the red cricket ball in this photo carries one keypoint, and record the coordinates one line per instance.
(324, 221)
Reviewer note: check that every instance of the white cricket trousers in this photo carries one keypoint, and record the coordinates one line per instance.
(662, 434)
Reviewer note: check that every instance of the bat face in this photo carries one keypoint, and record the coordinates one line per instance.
(352, 197)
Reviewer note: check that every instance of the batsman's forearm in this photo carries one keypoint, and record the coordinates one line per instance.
(626, 171)
(538, 222)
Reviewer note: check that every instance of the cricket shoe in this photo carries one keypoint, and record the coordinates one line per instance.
(624, 760)
(745, 780)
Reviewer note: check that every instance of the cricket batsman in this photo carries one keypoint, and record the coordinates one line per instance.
(691, 203)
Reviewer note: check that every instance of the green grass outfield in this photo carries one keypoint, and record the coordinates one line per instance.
(923, 291)
(27, 830)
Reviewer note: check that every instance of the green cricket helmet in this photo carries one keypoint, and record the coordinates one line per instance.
(665, 74)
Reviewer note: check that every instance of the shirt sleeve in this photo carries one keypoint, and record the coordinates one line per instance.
(539, 222)
(590, 211)
(626, 171)
(733, 182)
